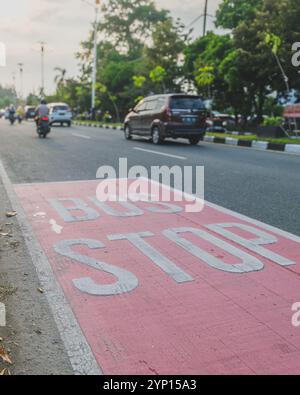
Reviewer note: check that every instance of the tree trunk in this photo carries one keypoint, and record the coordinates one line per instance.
(260, 106)
(116, 110)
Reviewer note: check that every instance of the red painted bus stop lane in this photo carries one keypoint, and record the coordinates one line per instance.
(158, 290)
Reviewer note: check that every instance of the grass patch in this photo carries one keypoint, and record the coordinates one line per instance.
(282, 140)
(100, 123)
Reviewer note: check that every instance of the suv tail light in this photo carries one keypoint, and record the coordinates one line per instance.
(45, 119)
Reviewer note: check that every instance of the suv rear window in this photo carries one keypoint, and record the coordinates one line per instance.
(60, 108)
(186, 103)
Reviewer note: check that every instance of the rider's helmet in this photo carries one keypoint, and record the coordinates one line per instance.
(43, 101)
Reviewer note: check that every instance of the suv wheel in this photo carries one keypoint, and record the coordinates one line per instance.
(127, 132)
(194, 140)
(156, 136)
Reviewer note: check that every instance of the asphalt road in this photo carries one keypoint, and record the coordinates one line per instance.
(262, 185)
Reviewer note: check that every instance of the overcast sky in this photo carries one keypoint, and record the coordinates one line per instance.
(63, 24)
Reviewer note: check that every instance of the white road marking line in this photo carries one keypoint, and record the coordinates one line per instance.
(81, 136)
(40, 214)
(80, 354)
(160, 153)
(224, 210)
(55, 227)
(2, 315)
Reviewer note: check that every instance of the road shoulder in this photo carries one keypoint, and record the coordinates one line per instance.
(30, 337)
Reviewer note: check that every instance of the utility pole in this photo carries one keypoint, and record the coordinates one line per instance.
(205, 18)
(42, 43)
(21, 79)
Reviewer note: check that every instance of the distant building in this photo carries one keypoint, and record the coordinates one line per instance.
(292, 114)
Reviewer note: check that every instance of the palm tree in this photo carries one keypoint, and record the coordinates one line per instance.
(60, 78)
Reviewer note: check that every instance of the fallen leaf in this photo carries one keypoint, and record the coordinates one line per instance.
(4, 234)
(4, 356)
(5, 372)
(11, 214)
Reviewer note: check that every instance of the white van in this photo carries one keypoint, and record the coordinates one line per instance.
(60, 113)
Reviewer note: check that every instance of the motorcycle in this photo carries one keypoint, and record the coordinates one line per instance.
(43, 127)
(12, 118)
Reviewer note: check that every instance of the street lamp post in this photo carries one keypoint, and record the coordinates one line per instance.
(94, 78)
(205, 18)
(21, 79)
(42, 43)
(94, 71)
(14, 80)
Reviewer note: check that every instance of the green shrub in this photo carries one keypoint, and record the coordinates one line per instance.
(273, 121)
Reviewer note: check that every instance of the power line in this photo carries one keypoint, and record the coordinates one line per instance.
(197, 19)
(204, 16)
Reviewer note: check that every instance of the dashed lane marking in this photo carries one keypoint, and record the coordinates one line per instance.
(159, 153)
(81, 136)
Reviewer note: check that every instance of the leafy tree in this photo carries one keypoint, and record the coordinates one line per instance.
(233, 12)
(138, 38)
(60, 78)
(260, 27)
(205, 76)
(280, 20)
(7, 96)
(212, 63)
(158, 75)
(139, 81)
(166, 51)
(32, 99)
(129, 23)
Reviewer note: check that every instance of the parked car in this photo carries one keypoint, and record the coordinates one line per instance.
(6, 114)
(2, 112)
(60, 113)
(29, 112)
(218, 122)
(168, 116)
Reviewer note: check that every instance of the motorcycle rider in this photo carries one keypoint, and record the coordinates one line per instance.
(20, 114)
(12, 113)
(41, 111)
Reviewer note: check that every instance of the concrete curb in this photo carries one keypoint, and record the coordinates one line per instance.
(238, 142)
(92, 125)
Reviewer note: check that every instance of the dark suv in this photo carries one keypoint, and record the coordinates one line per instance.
(163, 116)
